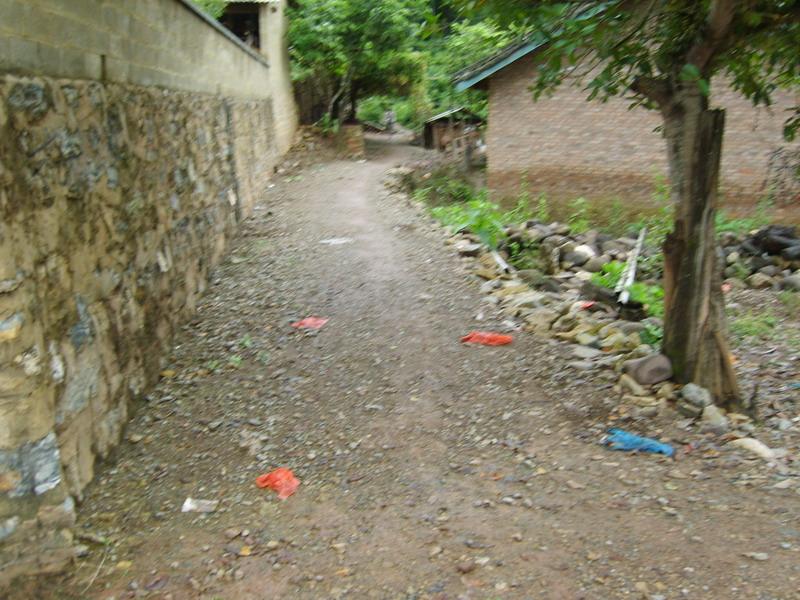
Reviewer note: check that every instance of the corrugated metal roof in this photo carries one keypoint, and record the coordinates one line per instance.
(491, 65)
(453, 111)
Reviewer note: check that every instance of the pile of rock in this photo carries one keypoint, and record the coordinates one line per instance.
(768, 258)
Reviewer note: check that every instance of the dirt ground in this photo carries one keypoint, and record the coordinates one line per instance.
(429, 469)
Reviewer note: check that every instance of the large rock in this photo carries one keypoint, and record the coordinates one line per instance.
(715, 420)
(580, 255)
(792, 282)
(595, 265)
(467, 248)
(649, 370)
(533, 277)
(759, 281)
(540, 320)
(696, 395)
(791, 253)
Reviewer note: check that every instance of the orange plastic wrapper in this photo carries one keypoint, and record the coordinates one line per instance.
(487, 338)
(310, 323)
(281, 480)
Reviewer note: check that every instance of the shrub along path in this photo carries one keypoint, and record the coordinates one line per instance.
(429, 469)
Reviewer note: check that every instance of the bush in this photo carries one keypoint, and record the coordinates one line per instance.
(650, 296)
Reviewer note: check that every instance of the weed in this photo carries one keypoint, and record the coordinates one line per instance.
(542, 209)
(790, 300)
(759, 325)
(650, 296)
(579, 217)
(213, 365)
(652, 335)
(246, 341)
(263, 357)
(235, 361)
(479, 216)
(744, 225)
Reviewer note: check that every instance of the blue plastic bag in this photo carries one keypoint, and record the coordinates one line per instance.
(618, 439)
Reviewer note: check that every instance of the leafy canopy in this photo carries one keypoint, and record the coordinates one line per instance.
(213, 8)
(651, 48)
(368, 45)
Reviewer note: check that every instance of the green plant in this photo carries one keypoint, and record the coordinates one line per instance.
(759, 325)
(478, 216)
(235, 361)
(790, 300)
(743, 225)
(650, 296)
(246, 341)
(213, 365)
(579, 217)
(652, 335)
(327, 125)
(542, 209)
(617, 219)
(263, 357)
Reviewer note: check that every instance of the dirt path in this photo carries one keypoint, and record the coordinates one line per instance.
(429, 469)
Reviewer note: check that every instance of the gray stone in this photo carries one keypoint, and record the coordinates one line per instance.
(629, 327)
(585, 352)
(80, 388)
(82, 331)
(8, 527)
(629, 384)
(715, 420)
(587, 339)
(10, 327)
(688, 410)
(595, 265)
(759, 281)
(533, 277)
(466, 248)
(792, 282)
(29, 97)
(38, 464)
(696, 395)
(649, 370)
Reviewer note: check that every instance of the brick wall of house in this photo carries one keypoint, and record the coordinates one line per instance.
(568, 147)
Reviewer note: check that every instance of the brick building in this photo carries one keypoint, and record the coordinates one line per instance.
(567, 147)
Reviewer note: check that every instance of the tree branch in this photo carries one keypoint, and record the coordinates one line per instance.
(718, 27)
(655, 90)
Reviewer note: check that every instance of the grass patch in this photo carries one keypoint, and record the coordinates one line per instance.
(481, 217)
(790, 300)
(759, 325)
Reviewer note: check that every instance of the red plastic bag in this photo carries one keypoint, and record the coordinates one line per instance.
(310, 323)
(487, 338)
(281, 480)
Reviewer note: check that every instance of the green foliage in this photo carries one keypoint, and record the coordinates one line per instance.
(478, 216)
(760, 325)
(743, 225)
(652, 335)
(650, 296)
(579, 216)
(790, 300)
(465, 43)
(542, 213)
(652, 49)
(214, 8)
(350, 48)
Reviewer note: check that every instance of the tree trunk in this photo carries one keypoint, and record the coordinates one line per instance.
(695, 329)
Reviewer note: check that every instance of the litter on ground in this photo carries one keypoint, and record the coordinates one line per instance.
(486, 338)
(281, 480)
(310, 323)
(618, 439)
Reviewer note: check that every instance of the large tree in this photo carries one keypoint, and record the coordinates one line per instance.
(664, 55)
(352, 48)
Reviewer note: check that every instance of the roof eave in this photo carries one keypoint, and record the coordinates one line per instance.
(476, 78)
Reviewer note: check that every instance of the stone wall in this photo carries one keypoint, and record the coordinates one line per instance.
(118, 196)
(568, 147)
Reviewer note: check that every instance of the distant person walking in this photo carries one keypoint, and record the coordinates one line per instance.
(389, 120)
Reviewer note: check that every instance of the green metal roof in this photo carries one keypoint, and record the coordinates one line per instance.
(491, 65)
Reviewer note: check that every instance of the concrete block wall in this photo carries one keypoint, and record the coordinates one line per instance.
(568, 147)
(134, 136)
